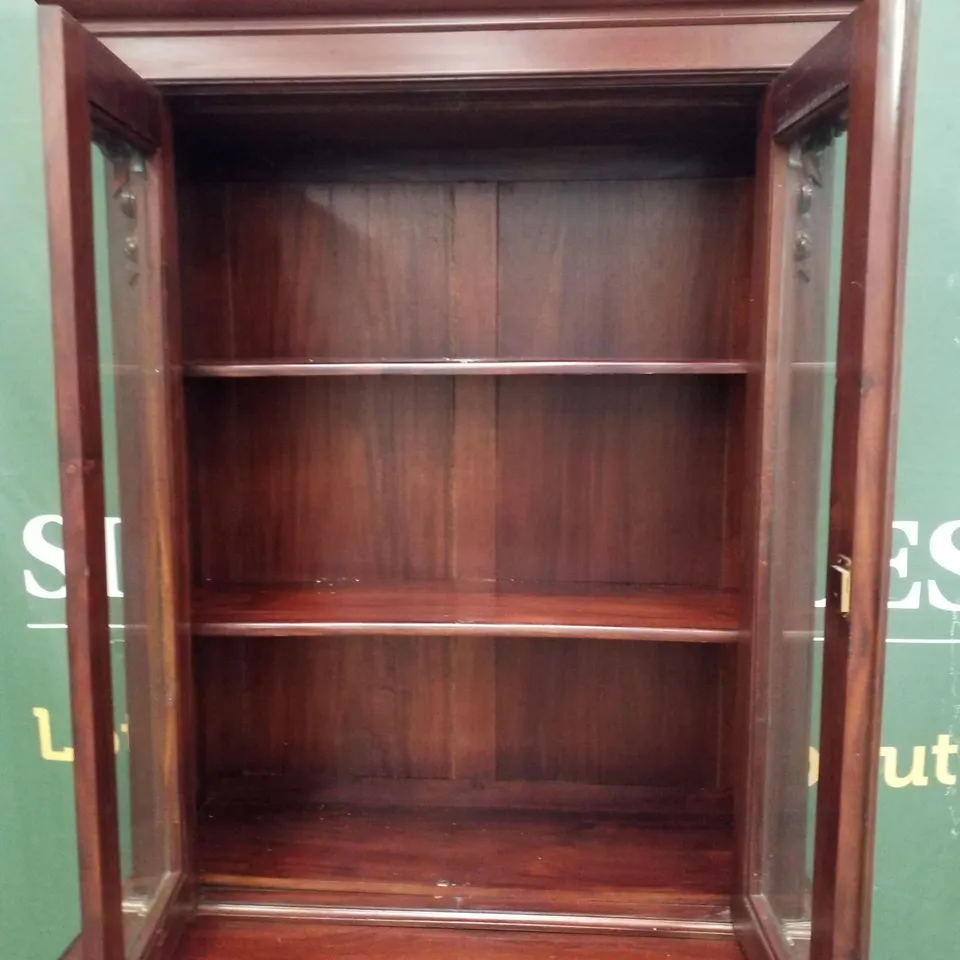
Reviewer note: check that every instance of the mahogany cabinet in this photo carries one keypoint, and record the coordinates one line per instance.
(498, 401)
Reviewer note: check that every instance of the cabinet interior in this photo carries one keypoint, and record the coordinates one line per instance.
(465, 406)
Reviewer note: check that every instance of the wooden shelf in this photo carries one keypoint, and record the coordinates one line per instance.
(215, 937)
(475, 367)
(621, 864)
(506, 609)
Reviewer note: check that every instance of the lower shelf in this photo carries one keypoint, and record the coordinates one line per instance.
(463, 608)
(603, 864)
(211, 938)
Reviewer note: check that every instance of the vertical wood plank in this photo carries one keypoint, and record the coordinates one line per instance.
(180, 760)
(760, 423)
(473, 544)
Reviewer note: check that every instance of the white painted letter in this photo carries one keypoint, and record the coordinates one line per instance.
(45, 552)
(943, 751)
(915, 778)
(110, 525)
(899, 563)
(946, 555)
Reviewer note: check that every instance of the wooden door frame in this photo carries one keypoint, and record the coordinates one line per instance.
(877, 42)
(84, 87)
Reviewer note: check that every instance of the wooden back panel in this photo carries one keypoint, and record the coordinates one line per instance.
(602, 479)
(646, 269)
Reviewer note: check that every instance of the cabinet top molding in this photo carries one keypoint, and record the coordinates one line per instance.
(666, 11)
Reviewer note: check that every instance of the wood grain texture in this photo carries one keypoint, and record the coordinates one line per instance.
(182, 780)
(467, 366)
(351, 478)
(706, 917)
(473, 852)
(552, 479)
(470, 53)
(814, 84)
(68, 136)
(618, 269)
(884, 40)
(303, 480)
(485, 608)
(339, 270)
(336, 708)
(647, 803)
(694, 11)
(575, 710)
(303, 151)
(623, 272)
(388, 133)
(327, 708)
(381, 480)
(596, 480)
(211, 938)
(760, 426)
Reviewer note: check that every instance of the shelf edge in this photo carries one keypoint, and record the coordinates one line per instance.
(239, 370)
(434, 629)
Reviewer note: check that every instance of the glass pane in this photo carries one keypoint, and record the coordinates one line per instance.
(800, 524)
(130, 343)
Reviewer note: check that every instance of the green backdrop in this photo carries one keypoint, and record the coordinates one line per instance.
(917, 897)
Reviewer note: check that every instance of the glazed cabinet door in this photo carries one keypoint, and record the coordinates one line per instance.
(832, 181)
(108, 177)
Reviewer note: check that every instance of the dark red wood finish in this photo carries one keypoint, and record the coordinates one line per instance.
(458, 608)
(861, 508)
(865, 68)
(636, 270)
(752, 660)
(312, 275)
(694, 11)
(68, 136)
(655, 917)
(809, 88)
(462, 481)
(583, 711)
(211, 938)
(556, 861)
(464, 367)
(89, 93)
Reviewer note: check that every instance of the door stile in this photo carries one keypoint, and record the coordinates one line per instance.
(67, 136)
(862, 477)
(88, 92)
(759, 933)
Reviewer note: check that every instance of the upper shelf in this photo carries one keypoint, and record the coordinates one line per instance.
(483, 608)
(477, 367)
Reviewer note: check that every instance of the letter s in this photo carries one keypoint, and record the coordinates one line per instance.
(45, 552)
(946, 555)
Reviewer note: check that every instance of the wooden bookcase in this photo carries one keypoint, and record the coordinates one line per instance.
(474, 384)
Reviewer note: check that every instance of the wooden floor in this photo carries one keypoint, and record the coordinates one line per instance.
(217, 939)
(519, 859)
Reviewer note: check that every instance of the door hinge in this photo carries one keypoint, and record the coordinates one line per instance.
(844, 569)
